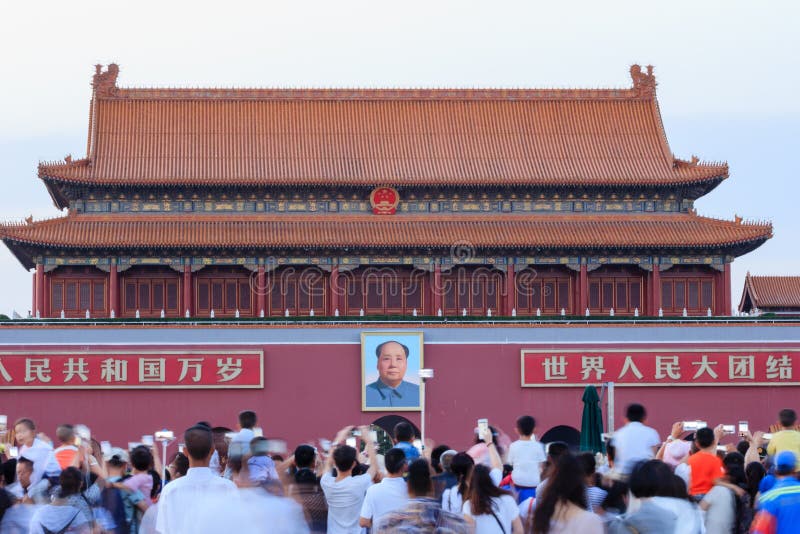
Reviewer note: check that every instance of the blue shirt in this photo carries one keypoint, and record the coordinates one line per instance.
(379, 395)
(783, 503)
(408, 449)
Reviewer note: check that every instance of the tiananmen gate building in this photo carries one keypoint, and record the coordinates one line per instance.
(279, 232)
(273, 202)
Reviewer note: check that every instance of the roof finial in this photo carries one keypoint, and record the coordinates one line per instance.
(105, 83)
(643, 84)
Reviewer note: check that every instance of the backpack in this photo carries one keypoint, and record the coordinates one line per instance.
(111, 501)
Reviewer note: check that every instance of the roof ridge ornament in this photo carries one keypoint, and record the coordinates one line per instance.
(644, 85)
(105, 83)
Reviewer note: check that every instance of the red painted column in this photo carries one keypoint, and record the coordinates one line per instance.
(39, 290)
(437, 289)
(261, 291)
(726, 309)
(113, 290)
(33, 294)
(583, 289)
(511, 290)
(187, 290)
(333, 292)
(654, 291)
(46, 308)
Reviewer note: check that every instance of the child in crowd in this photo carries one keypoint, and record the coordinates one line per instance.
(141, 480)
(526, 456)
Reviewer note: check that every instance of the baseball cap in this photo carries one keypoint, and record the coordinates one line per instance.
(120, 454)
(785, 462)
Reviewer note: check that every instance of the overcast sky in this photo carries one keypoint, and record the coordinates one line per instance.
(727, 73)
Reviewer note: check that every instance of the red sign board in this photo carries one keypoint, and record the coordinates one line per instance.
(129, 369)
(661, 366)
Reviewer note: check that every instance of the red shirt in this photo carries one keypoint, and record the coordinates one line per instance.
(706, 468)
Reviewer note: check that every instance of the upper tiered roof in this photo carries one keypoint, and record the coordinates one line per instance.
(364, 137)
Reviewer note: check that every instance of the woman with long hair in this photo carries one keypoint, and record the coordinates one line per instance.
(561, 507)
(492, 509)
(453, 498)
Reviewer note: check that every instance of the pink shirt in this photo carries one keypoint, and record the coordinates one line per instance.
(142, 482)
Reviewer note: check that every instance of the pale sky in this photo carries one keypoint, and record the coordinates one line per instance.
(728, 75)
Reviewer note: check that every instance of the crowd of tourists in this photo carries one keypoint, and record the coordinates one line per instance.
(223, 480)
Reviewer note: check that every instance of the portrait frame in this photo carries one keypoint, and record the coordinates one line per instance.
(369, 372)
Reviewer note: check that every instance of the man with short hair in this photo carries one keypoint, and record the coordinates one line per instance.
(422, 513)
(403, 439)
(779, 508)
(304, 488)
(705, 467)
(180, 497)
(390, 389)
(634, 442)
(390, 494)
(788, 438)
(345, 492)
(24, 489)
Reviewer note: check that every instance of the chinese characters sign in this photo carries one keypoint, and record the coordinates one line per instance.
(669, 366)
(186, 369)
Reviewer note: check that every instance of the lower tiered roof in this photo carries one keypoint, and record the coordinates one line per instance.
(588, 231)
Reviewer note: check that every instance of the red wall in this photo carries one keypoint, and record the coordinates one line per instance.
(313, 390)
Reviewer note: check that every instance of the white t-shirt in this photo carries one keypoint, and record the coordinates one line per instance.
(390, 495)
(344, 501)
(634, 442)
(721, 512)
(505, 508)
(181, 497)
(526, 456)
(452, 500)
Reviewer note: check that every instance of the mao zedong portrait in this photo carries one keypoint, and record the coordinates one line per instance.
(390, 390)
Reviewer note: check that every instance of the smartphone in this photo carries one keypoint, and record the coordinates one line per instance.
(13, 452)
(722, 448)
(165, 435)
(258, 432)
(147, 440)
(180, 448)
(693, 426)
(729, 429)
(373, 436)
(483, 426)
(356, 432)
(743, 427)
(325, 444)
(105, 446)
(351, 442)
(767, 436)
(418, 445)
